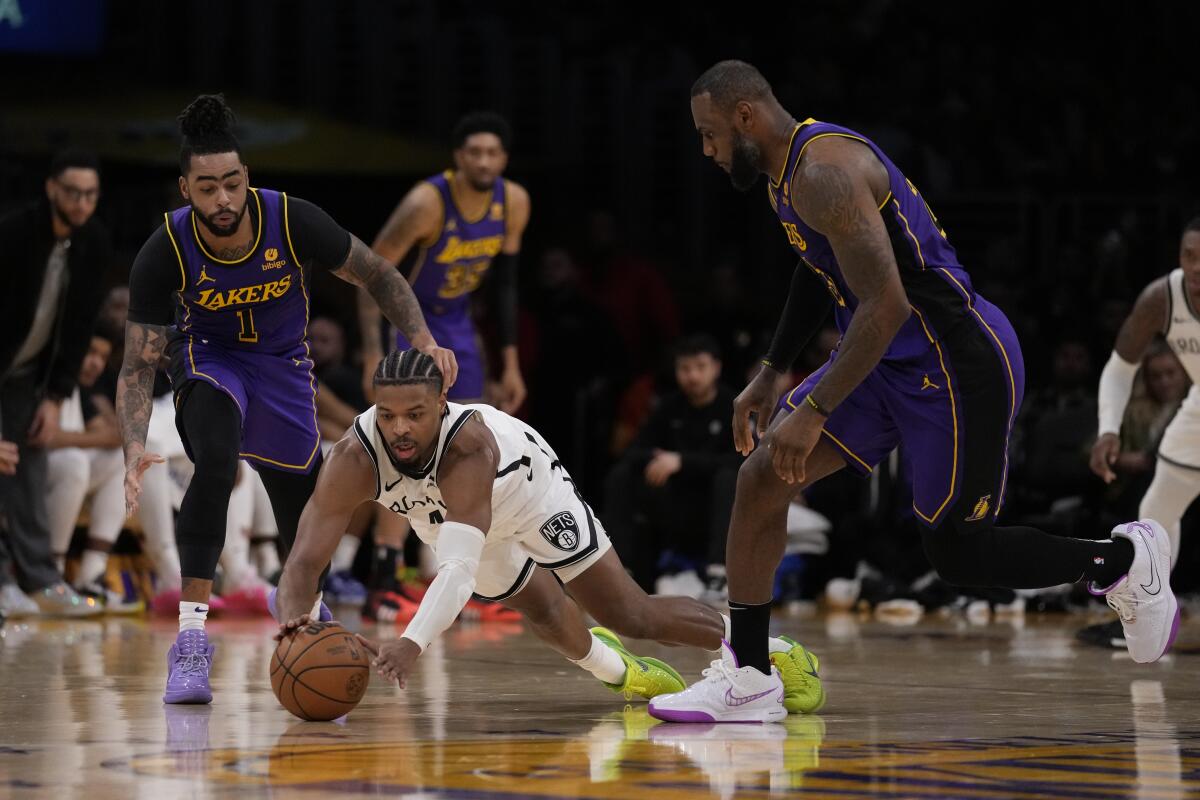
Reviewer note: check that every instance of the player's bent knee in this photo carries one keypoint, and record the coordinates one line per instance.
(757, 476)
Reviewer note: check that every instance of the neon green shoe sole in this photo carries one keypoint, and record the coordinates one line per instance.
(803, 691)
(644, 676)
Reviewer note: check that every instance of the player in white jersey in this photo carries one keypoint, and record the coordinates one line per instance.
(1169, 306)
(506, 522)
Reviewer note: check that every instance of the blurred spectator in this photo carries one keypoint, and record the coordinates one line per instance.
(672, 491)
(575, 353)
(85, 460)
(1053, 436)
(339, 394)
(55, 256)
(632, 291)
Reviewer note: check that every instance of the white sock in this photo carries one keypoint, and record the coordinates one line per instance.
(343, 557)
(91, 567)
(192, 616)
(315, 614)
(774, 644)
(603, 662)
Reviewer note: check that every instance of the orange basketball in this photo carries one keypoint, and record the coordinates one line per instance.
(320, 672)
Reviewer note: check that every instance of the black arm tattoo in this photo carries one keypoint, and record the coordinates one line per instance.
(388, 288)
(144, 345)
(833, 202)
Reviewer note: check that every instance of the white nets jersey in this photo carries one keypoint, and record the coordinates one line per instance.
(1181, 441)
(538, 517)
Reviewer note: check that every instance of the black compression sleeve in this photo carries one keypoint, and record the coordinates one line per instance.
(153, 280)
(319, 241)
(504, 296)
(807, 304)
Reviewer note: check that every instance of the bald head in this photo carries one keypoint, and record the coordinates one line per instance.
(729, 82)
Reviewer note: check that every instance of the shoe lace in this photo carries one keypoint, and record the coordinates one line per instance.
(718, 670)
(1124, 602)
(192, 658)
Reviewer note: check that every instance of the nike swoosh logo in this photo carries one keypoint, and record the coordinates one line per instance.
(1155, 585)
(733, 700)
(387, 487)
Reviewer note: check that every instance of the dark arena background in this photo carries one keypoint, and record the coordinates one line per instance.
(1058, 145)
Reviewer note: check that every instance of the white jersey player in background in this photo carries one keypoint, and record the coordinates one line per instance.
(1169, 306)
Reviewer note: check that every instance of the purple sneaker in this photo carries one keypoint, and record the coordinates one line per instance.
(188, 663)
(326, 614)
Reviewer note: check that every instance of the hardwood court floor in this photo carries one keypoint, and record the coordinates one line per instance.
(941, 708)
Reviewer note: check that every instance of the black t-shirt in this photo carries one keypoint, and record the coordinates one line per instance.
(319, 242)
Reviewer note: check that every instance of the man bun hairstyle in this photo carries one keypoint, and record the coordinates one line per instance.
(207, 127)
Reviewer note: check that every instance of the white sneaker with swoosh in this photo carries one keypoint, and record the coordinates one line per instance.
(1143, 598)
(727, 693)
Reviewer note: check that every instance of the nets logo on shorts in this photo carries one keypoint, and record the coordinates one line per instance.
(562, 531)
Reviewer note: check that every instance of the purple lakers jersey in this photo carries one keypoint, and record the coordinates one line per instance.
(256, 303)
(938, 288)
(447, 272)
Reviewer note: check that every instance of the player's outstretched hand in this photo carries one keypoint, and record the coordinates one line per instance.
(1104, 455)
(393, 660)
(757, 398)
(290, 626)
(133, 478)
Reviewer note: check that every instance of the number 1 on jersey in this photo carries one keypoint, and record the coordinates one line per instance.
(247, 333)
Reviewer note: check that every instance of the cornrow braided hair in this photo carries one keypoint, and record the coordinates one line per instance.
(406, 367)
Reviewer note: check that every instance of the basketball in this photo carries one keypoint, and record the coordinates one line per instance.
(320, 672)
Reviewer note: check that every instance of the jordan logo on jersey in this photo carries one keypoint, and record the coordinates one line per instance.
(981, 508)
(204, 276)
(928, 384)
(562, 531)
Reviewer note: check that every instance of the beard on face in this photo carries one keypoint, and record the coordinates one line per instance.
(744, 163)
(64, 217)
(222, 230)
(480, 185)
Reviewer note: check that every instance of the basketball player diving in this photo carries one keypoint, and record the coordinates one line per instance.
(506, 522)
(924, 362)
(221, 289)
